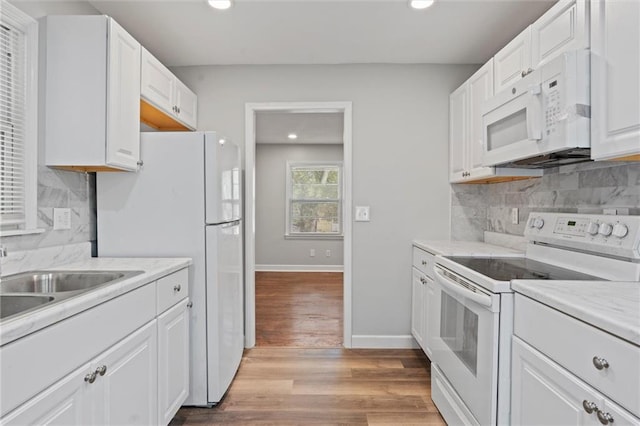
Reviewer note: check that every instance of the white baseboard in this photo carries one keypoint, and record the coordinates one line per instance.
(299, 268)
(383, 342)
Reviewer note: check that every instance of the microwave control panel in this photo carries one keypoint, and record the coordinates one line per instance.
(552, 106)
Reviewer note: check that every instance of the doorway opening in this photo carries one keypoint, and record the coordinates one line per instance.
(297, 229)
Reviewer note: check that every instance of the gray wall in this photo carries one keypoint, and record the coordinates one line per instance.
(580, 188)
(271, 246)
(400, 140)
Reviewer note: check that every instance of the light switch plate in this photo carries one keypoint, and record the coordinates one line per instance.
(61, 219)
(362, 214)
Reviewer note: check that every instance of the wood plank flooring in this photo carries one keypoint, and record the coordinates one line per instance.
(299, 309)
(323, 386)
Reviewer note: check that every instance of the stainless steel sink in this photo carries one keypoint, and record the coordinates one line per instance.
(14, 304)
(29, 291)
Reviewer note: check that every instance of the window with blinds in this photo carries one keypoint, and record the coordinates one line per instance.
(17, 118)
(314, 199)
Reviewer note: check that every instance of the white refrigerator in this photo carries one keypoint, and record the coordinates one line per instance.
(186, 201)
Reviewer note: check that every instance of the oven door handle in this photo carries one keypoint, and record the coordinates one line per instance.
(480, 298)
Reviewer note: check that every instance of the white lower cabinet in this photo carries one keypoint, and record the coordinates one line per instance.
(544, 393)
(173, 360)
(117, 387)
(417, 307)
(421, 296)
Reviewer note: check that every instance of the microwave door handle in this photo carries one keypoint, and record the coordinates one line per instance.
(480, 298)
(534, 114)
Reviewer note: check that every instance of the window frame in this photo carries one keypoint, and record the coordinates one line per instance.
(289, 199)
(30, 165)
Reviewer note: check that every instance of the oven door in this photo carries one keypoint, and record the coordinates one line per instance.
(464, 327)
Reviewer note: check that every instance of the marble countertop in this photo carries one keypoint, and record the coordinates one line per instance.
(465, 248)
(154, 268)
(609, 305)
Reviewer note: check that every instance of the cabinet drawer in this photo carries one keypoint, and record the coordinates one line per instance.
(172, 289)
(423, 261)
(574, 344)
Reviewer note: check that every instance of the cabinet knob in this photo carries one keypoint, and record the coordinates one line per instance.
(178, 108)
(600, 363)
(177, 288)
(424, 263)
(190, 305)
(140, 163)
(605, 418)
(91, 377)
(589, 406)
(101, 370)
(526, 72)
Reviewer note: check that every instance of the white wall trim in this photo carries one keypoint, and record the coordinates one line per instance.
(250, 214)
(384, 342)
(299, 268)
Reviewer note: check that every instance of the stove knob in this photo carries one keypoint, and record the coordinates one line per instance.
(592, 228)
(605, 229)
(620, 230)
(538, 222)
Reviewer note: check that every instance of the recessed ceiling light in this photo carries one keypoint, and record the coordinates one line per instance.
(292, 136)
(421, 4)
(220, 4)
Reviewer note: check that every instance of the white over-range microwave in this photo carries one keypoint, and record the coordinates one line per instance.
(543, 119)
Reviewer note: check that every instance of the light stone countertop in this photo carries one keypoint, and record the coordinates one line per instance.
(465, 248)
(608, 305)
(154, 268)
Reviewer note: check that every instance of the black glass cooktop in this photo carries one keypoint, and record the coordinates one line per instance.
(518, 268)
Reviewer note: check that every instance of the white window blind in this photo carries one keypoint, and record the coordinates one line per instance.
(15, 79)
(314, 199)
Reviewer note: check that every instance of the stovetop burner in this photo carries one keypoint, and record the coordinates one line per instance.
(520, 268)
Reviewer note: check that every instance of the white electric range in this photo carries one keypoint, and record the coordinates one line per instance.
(473, 315)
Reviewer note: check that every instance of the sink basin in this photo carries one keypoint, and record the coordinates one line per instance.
(14, 304)
(59, 281)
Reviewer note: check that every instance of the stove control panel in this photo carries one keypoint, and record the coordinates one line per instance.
(614, 235)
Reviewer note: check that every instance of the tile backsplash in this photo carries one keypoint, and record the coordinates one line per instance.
(580, 188)
(60, 189)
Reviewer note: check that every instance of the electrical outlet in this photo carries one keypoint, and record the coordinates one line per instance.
(514, 216)
(312, 253)
(61, 219)
(362, 214)
(327, 253)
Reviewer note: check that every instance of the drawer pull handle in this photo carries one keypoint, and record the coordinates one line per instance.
(422, 280)
(190, 305)
(605, 418)
(424, 263)
(91, 377)
(177, 288)
(600, 363)
(101, 370)
(589, 406)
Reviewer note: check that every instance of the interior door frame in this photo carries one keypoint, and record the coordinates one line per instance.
(250, 211)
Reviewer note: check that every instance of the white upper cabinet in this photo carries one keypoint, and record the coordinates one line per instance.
(513, 61)
(615, 79)
(466, 139)
(91, 94)
(168, 104)
(562, 28)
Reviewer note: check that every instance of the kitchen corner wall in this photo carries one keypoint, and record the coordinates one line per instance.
(58, 188)
(580, 188)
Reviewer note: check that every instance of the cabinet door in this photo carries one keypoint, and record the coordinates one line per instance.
(187, 104)
(127, 391)
(173, 360)
(417, 307)
(512, 60)
(157, 83)
(428, 299)
(543, 393)
(68, 402)
(123, 99)
(458, 122)
(562, 28)
(480, 89)
(615, 86)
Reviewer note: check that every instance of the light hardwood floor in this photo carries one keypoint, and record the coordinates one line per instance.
(313, 381)
(296, 386)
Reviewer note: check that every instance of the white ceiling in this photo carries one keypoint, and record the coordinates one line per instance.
(311, 128)
(189, 32)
